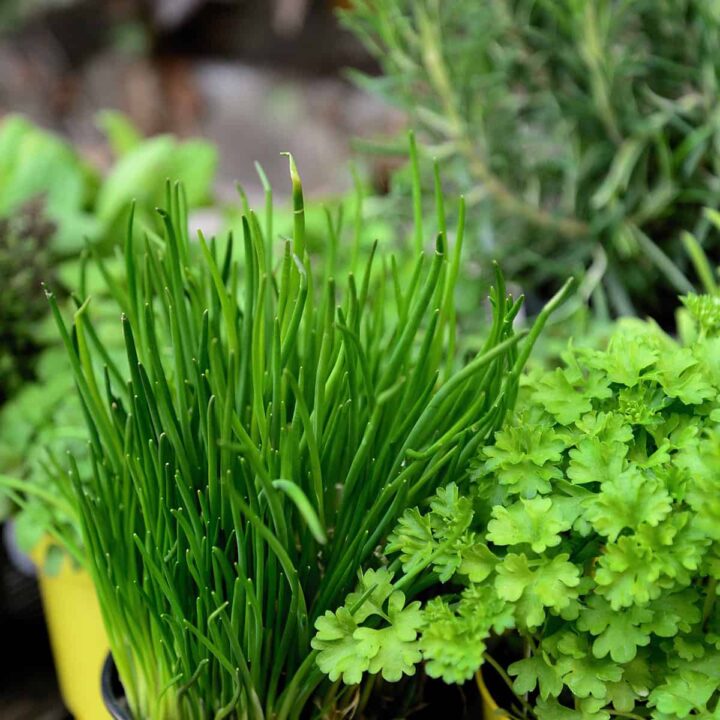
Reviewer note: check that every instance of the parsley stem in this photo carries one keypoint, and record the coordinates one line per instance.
(506, 678)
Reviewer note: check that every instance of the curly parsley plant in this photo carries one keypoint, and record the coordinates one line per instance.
(590, 528)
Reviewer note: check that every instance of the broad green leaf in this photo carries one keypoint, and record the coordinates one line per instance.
(194, 163)
(139, 176)
(121, 133)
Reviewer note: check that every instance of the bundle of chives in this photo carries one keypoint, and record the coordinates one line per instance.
(271, 431)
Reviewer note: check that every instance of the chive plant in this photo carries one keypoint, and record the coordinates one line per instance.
(269, 429)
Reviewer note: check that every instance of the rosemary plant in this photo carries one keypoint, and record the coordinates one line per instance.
(586, 129)
(268, 431)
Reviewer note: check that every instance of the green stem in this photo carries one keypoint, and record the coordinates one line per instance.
(506, 679)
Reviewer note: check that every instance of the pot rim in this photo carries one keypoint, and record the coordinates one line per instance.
(109, 684)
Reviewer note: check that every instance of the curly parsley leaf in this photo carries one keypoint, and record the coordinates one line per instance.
(628, 500)
(618, 634)
(525, 459)
(535, 586)
(339, 655)
(435, 537)
(683, 693)
(536, 522)
(393, 650)
(347, 649)
(453, 638)
(536, 671)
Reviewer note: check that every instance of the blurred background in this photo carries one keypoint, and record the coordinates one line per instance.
(254, 77)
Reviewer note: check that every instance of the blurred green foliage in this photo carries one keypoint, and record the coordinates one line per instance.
(53, 206)
(588, 130)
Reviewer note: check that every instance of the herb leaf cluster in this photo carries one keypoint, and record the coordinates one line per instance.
(591, 528)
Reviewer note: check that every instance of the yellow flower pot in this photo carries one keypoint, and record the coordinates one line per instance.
(490, 708)
(77, 636)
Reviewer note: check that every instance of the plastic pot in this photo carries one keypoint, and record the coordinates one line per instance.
(490, 708)
(113, 695)
(77, 635)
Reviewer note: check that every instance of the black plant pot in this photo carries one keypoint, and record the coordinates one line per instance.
(113, 694)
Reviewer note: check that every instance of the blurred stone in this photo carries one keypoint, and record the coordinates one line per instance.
(169, 14)
(252, 113)
(297, 35)
(289, 16)
(256, 114)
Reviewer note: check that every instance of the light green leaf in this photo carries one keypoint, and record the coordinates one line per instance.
(631, 498)
(122, 136)
(682, 693)
(339, 652)
(536, 522)
(561, 398)
(544, 584)
(536, 671)
(619, 634)
(595, 460)
(478, 562)
(587, 676)
(393, 651)
(379, 583)
(304, 507)
(627, 574)
(194, 163)
(139, 176)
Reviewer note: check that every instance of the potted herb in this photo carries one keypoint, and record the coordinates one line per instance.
(270, 426)
(587, 536)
